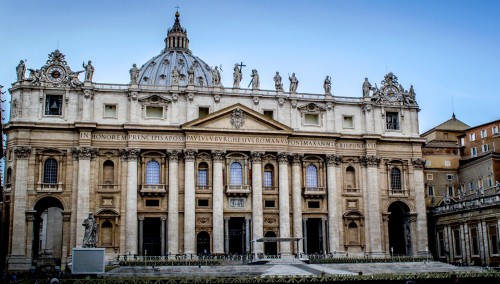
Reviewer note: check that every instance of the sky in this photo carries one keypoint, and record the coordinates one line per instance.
(449, 50)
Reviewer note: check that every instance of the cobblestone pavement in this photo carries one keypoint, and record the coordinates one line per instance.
(289, 269)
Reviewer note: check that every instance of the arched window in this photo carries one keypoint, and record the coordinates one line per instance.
(203, 174)
(395, 179)
(50, 171)
(268, 176)
(236, 174)
(311, 176)
(108, 172)
(152, 172)
(106, 233)
(9, 176)
(350, 178)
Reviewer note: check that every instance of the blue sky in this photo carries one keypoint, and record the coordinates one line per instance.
(448, 50)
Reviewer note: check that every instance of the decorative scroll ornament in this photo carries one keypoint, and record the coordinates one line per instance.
(130, 154)
(257, 156)
(237, 118)
(418, 163)
(370, 160)
(189, 154)
(333, 160)
(22, 152)
(173, 155)
(84, 153)
(296, 159)
(218, 155)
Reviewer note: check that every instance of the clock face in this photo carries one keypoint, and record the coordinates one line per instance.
(56, 73)
(391, 93)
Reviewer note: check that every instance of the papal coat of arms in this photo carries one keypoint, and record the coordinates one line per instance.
(237, 118)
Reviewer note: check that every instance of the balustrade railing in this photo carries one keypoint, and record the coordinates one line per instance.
(50, 187)
(237, 189)
(153, 189)
(314, 191)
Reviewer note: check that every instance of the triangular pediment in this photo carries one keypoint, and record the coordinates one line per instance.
(237, 118)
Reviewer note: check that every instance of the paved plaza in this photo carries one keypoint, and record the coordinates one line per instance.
(290, 269)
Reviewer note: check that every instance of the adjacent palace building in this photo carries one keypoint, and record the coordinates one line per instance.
(175, 163)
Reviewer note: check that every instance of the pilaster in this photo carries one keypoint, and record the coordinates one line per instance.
(418, 175)
(334, 201)
(297, 199)
(189, 202)
(284, 206)
(257, 216)
(173, 202)
(131, 230)
(218, 198)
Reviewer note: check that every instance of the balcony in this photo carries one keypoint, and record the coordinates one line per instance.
(398, 192)
(314, 192)
(108, 188)
(237, 190)
(203, 188)
(270, 190)
(50, 187)
(351, 191)
(153, 189)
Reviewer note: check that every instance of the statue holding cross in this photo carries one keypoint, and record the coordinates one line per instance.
(237, 75)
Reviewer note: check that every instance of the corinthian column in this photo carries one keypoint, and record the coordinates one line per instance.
(173, 202)
(284, 202)
(84, 155)
(189, 203)
(297, 200)
(217, 205)
(373, 204)
(334, 210)
(418, 176)
(22, 154)
(257, 218)
(131, 226)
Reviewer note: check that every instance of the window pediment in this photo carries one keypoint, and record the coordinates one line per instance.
(311, 108)
(155, 100)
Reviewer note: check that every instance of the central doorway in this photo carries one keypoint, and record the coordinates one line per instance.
(151, 243)
(203, 243)
(314, 236)
(399, 229)
(237, 235)
(48, 231)
(270, 248)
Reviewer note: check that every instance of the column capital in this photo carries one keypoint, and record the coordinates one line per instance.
(418, 163)
(22, 152)
(333, 160)
(173, 155)
(257, 156)
(283, 158)
(370, 161)
(189, 154)
(130, 154)
(84, 153)
(218, 155)
(297, 159)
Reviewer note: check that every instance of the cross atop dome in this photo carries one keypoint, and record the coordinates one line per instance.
(177, 36)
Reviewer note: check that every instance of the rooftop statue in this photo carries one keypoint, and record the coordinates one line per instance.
(216, 76)
(255, 79)
(89, 71)
(367, 87)
(327, 85)
(237, 76)
(293, 83)
(21, 70)
(277, 82)
(134, 74)
(175, 76)
(191, 75)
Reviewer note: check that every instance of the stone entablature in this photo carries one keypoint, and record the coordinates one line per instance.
(468, 205)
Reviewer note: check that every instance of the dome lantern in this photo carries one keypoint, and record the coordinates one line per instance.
(177, 36)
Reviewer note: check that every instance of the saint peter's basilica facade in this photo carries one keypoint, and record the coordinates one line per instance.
(175, 163)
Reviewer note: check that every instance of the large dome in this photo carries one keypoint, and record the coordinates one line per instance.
(158, 70)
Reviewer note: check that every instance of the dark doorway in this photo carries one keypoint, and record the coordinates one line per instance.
(399, 229)
(152, 236)
(237, 235)
(203, 243)
(270, 248)
(47, 231)
(314, 236)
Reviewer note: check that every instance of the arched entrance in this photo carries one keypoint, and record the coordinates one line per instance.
(203, 243)
(48, 231)
(270, 248)
(399, 229)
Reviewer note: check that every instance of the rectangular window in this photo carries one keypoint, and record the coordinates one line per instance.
(449, 176)
(494, 130)
(313, 204)
(430, 190)
(493, 234)
(311, 118)
(451, 190)
(484, 134)
(447, 163)
(348, 122)
(430, 177)
(269, 203)
(154, 112)
(203, 202)
(269, 114)
(152, 202)
(462, 141)
(471, 185)
(53, 104)
(490, 182)
(202, 177)
(485, 148)
(442, 249)
(473, 152)
(392, 120)
(268, 179)
(203, 111)
(472, 137)
(474, 241)
(456, 242)
(110, 111)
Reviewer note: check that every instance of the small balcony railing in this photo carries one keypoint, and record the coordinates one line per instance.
(153, 189)
(270, 190)
(50, 187)
(314, 192)
(398, 191)
(108, 187)
(237, 190)
(351, 191)
(204, 188)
